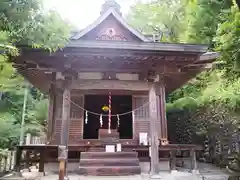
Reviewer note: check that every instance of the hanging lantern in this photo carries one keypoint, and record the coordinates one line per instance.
(101, 121)
(86, 117)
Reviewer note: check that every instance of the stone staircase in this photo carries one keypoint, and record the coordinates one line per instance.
(109, 163)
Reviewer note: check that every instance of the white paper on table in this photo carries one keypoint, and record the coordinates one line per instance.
(119, 147)
(110, 148)
(143, 139)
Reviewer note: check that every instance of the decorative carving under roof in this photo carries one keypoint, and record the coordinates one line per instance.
(111, 4)
(110, 34)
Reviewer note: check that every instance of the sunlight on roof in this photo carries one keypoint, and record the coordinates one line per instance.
(83, 12)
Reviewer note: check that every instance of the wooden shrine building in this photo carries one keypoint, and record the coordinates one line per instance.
(108, 85)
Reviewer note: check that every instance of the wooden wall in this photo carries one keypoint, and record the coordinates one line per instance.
(76, 121)
(141, 117)
(140, 120)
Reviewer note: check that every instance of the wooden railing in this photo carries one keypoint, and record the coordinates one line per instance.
(177, 154)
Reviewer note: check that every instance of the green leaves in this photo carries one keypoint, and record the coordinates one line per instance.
(212, 99)
(24, 22)
(39, 112)
(9, 80)
(159, 17)
(228, 38)
(50, 33)
(8, 130)
(203, 19)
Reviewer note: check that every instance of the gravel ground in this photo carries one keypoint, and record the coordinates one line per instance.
(207, 172)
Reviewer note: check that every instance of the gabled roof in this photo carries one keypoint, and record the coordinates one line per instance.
(105, 15)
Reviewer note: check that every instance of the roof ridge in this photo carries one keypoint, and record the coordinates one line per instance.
(118, 17)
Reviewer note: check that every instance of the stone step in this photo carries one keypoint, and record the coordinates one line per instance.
(110, 170)
(108, 155)
(110, 162)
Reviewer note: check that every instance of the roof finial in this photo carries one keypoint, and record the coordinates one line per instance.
(111, 4)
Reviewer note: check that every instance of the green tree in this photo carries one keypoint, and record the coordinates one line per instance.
(203, 18)
(24, 22)
(210, 101)
(162, 17)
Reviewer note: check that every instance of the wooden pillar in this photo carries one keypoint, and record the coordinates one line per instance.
(65, 116)
(154, 143)
(51, 98)
(163, 119)
(65, 123)
(42, 161)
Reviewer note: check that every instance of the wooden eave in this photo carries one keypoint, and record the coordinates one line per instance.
(104, 16)
(36, 77)
(145, 46)
(208, 57)
(127, 50)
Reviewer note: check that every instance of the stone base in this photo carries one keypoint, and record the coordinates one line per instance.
(155, 176)
(23, 176)
(17, 174)
(65, 178)
(195, 172)
(173, 172)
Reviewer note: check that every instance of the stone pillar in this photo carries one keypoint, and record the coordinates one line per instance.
(154, 143)
(163, 119)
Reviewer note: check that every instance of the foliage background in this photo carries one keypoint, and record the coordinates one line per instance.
(24, 22)
(210, 103)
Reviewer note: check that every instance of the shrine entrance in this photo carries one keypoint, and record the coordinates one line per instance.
(120, 104)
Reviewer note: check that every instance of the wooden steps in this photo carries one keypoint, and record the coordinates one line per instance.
(109, 164)
(108, 155)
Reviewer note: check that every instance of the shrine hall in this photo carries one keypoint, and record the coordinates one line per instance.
(107, 92)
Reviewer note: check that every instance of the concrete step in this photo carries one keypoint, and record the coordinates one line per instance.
(110, 162)
(110, 170)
